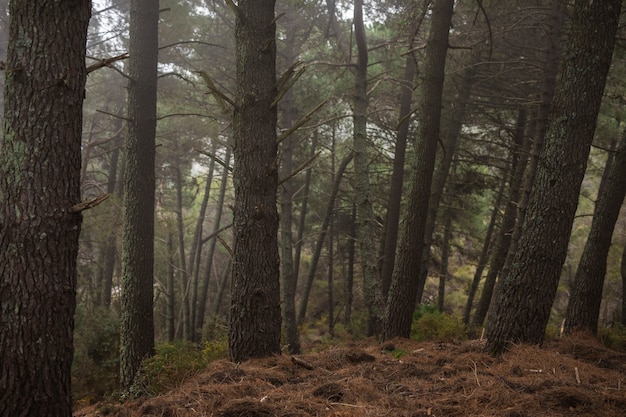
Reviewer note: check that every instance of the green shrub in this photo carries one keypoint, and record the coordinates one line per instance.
(177, 361)
(613, 337)
(430, 324)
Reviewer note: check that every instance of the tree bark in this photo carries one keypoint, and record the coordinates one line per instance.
(394, 203)
(137, 324)
(404, 286)
(527, 292)
(583, 308)
(40, 157)
(365, 212)
(255, 320)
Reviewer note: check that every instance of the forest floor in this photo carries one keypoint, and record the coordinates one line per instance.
(572, 376)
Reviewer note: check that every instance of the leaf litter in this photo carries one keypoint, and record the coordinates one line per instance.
(571, 376)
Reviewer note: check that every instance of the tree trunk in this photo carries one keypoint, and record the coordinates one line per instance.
(255, 320)
(484, 254)
(289, 279)
(583, 308)
(503, 243)
(183, 272)
(349, 280)
(404, 286)
(204, 285)
(527, 292)
(394, 203)
(322, 238)
(195, 254)
(445, 255)
(39, 188)
(365, 213)
(543, 112)
(137, 324)
(170, 291)
(109, 251)
(450, 145)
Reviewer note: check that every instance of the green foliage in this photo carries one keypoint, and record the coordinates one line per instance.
(613, 337)
(430, 324)
(174, 362)
(95, 369)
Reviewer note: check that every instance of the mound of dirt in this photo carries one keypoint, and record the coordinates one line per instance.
(574, 376)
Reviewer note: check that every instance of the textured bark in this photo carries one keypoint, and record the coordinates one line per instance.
(403, 292)
(39, 184)
(137, 324)
(547, 95)
(394, 203)
(583, 308)
(362, 188)
(527, 292)
(450, 146)
(255, 318)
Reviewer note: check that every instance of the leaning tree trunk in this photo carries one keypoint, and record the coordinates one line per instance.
(137, 325)
(403, 292)
(39, 205)
(394, 204)
(255, 318)
(503, 243)
(583, 308)
(203, 291)
(527, 292)
(317, 251)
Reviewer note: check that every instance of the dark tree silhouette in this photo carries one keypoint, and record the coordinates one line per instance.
(404, 286)
(255, 317)
(583, 308)
(40, 215)
(524, 300)
(137, 327)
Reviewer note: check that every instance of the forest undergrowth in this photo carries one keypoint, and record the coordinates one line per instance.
(576, 375)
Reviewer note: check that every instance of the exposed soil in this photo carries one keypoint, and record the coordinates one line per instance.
(574, 376)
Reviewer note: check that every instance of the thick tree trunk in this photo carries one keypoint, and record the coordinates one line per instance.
(39, 186)
(365, 212)
(527, 292)
(137, 325)
(404, 286)
(255, 320)
(397, 177)
(551, 70)
(583, 308)
(440, 178)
